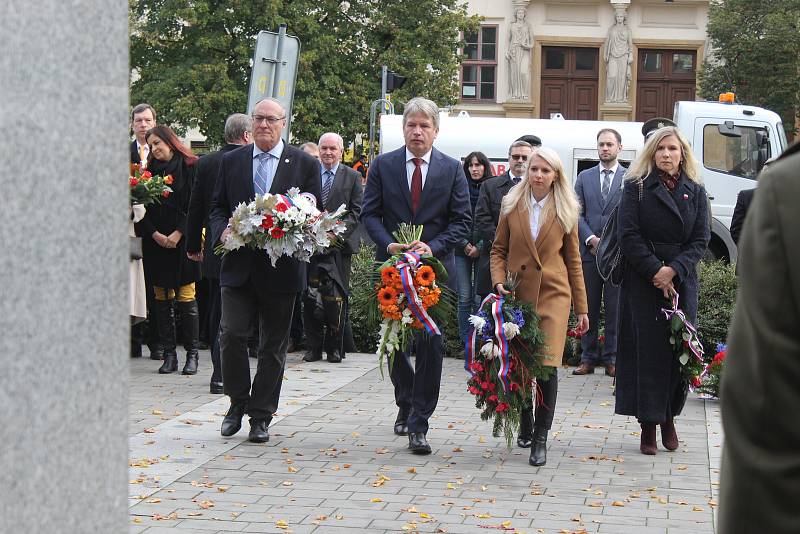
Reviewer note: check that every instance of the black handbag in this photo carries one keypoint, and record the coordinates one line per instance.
(609, 256)
(136, 248)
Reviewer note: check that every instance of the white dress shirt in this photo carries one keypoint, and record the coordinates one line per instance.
(144, 152)
(426, 160)
(536, 215)
(602, 177)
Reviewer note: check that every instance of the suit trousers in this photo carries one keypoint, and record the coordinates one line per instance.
(598, 292)
(274, 310)
(416, 388)
(214, 315)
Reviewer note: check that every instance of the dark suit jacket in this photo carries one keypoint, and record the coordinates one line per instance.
(595, 212)
(200, 208)
(760, 478)
(347, 190)
(743, 201)
(443, 208)
(487, 213)
(234, 185)
(135, 153)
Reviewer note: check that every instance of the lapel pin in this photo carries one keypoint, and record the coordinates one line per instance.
(685, 196)
(286, 160)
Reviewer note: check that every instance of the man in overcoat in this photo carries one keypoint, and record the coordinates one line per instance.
(417, 184)
(760, 479)
(599, 190)
(340, 185)
(238, 132)
(249, 283)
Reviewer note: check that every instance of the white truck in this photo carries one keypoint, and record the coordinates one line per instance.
(730, 141)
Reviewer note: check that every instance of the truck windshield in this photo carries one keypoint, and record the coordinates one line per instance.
(731, 155)
(782, 142)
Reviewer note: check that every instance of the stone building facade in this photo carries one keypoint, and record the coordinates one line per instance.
(583, 59)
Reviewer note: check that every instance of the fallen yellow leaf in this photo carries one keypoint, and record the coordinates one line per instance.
(617, 503)
(223, 489)
(281, 524)
(149, 430)
(411, 470)
(483, 516)
(292, 469)
(697, 509)
(376, 499)
(157, 412)
(153, 501)
(205, 505)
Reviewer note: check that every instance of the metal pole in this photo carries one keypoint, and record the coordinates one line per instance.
(276, 73)
(384, 81)
(372, 112)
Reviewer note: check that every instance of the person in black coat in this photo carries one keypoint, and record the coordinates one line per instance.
(238, 129)
(487, 208)
(743, 200)
(249, 283)
(663, 233)
(477, 169)
(164, 248)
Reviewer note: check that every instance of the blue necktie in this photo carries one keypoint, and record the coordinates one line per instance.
(327, 183)
(261, 181)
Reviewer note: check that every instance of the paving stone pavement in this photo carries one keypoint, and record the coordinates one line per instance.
(333, 465)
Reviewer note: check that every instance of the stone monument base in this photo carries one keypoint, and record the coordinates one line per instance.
(616, 112)
(519, 109)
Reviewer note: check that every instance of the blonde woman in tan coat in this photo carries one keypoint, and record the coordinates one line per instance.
(537, 241)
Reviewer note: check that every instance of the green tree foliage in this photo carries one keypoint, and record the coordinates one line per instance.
(191, 59)
(754, 44)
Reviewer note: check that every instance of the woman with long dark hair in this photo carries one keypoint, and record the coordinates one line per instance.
(173, 275)
(477, 169)
(663, 234)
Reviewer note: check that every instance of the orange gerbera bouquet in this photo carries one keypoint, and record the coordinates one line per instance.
(408, 296)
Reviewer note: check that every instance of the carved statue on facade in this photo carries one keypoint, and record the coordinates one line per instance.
(520, 42)
(618, 55)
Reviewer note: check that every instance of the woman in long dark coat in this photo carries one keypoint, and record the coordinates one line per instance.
(663, 233)
(163, 227)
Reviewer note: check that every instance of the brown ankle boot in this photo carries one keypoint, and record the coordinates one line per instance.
(648, 443)
(668, 435)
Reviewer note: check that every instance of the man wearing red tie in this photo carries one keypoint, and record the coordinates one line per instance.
(418, 185)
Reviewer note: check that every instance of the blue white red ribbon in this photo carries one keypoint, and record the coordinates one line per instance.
(694, 342)
(408, 265)
(496, 304)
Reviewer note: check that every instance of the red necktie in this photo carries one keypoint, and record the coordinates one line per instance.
(416, 183)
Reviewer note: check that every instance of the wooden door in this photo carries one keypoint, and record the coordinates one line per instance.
(664, 77)
(569, 82)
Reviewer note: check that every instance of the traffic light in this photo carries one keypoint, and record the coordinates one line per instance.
(394, 81)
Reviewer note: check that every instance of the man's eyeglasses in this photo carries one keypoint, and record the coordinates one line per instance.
(521, 157)
(258, 119)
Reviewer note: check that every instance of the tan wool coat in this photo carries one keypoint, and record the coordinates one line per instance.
(549, 273)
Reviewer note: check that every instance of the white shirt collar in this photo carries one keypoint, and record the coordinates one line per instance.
(276, 151)
(426, 157)
(541, 203)
(612, 169)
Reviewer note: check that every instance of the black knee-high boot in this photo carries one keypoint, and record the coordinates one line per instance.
(166, 335)
(190, 332)
(543, 420)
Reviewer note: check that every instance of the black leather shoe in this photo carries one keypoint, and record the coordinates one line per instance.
(401, 423)
(259, 431)
(215, 387)
(334, 357)
(418, 444)
(539, 449)
(190, 368)
(313, 355)
(233, 419)
(156, 352)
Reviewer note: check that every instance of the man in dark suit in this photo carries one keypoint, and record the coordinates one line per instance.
(419, 185)
(760, 475)
(238, 132)
(743, 200)
(340, 185)
(249, 283)
(143, 117)
(599, 190)
(487, 210)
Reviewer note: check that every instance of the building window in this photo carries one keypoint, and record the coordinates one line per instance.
(479, 67)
